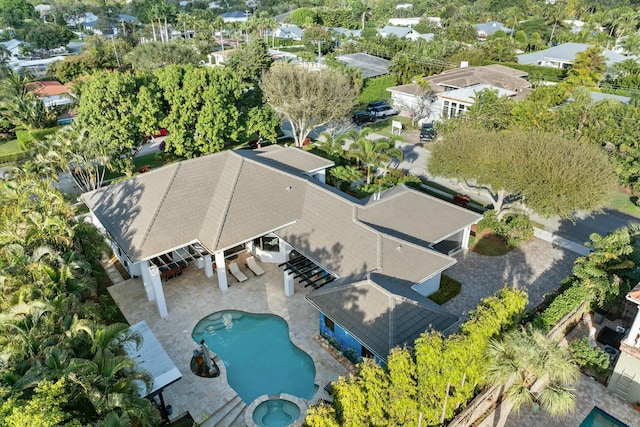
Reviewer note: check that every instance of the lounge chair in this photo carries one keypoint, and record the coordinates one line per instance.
(239, 275)
(253, 266)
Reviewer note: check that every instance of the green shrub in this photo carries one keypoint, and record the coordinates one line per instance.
(562, 305)
(590, 358)
(515, 229)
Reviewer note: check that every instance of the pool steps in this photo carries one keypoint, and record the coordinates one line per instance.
(231, 414)
(214, 322)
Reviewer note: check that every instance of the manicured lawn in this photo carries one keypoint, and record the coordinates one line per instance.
(487, 243)
(449, 288)
(10, 147)
(383, 127)
(622, 201)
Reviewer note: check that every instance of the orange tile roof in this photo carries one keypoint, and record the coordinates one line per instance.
(48, 88)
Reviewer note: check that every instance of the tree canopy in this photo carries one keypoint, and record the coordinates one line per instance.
(308, 99)
(553, 176)
(152, 55)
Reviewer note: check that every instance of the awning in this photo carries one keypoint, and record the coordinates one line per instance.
(152, 357)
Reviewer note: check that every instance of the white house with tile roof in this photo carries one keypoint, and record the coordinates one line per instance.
(396, 243)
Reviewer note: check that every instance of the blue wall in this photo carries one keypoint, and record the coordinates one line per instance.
(344, 339)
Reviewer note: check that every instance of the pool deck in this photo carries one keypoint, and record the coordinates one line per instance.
(192, 296)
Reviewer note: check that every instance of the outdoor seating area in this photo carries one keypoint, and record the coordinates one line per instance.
(169, 268)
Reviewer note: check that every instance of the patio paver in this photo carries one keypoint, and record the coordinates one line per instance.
(538, 267)
(192, 296)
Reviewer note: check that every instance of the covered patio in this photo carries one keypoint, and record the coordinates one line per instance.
(192, 296)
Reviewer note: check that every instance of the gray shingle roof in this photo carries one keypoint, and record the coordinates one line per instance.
(428, 220)
(566, 52)
(469, 94)
(369, 65)
(380, 313)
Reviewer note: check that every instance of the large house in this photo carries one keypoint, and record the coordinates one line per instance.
(563, 55)
(52, 93)
(370, 263)
(490, 28)
(452, 92)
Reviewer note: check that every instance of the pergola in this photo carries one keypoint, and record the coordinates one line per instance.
(308, 272)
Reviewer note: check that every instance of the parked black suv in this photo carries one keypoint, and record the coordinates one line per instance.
(362, 117)
(427, 132)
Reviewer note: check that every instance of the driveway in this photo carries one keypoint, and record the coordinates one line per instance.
(537, 267)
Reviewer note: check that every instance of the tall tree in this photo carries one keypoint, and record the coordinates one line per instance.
(118, 112)
(308, 99)
(552, 175)
(202, 115)
(372, 153)
(250, 61)
(149, 56)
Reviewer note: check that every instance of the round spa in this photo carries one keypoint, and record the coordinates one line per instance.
(275, 413)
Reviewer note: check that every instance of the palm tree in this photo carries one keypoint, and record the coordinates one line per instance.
(372, 153)
(343, 174)
(331, 146)
(527, 358)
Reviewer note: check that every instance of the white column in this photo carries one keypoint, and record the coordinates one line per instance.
(632, 337)
(321, 176)
(288, 283)
(208, 266)
(221, 271)
(465, 237)
(156, 281)
(147, 281)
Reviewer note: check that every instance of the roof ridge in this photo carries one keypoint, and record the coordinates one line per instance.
(159, 205)
(232, 190)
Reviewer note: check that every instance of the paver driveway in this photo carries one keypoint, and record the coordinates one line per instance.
(538, 267)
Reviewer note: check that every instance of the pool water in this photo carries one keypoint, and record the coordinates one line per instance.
(258, 354)
(598, 418)
(276, 413)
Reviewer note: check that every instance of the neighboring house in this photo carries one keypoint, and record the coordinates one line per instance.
(345, 32)
(235, 16)
(369, 65)
(625, 378)
(35, 67)
(369, 263)
(599, 96)
(489, 28)
(455, 102)
(220, 57)
(409, 22)
(52, 93)
(43, 9)
(289, 32)
(453, 91)
(404, 6)
(13, 48)
(400, 32)
(563, 55)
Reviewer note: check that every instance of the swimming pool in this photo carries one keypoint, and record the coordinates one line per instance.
(258, 354)
(599, 418)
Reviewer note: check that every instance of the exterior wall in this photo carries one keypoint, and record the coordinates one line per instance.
(450, 108)
(271, 257)
(429, 286)
(404, 100)
(630, 366)
(343, 338)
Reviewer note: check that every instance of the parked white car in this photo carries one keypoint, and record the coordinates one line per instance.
(383, 111)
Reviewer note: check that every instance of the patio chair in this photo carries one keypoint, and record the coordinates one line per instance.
(253, 266)
(235, 270)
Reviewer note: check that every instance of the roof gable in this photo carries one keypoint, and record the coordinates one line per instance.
(379, 317)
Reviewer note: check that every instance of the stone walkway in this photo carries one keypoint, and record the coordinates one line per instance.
(538, 267)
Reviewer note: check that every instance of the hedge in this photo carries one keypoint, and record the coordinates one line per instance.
(537, 72)
(562, 305)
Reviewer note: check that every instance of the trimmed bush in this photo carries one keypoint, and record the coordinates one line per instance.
(375, 89)
(590, 358)
(562, 305)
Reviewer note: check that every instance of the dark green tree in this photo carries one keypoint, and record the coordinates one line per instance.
(249, 61)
